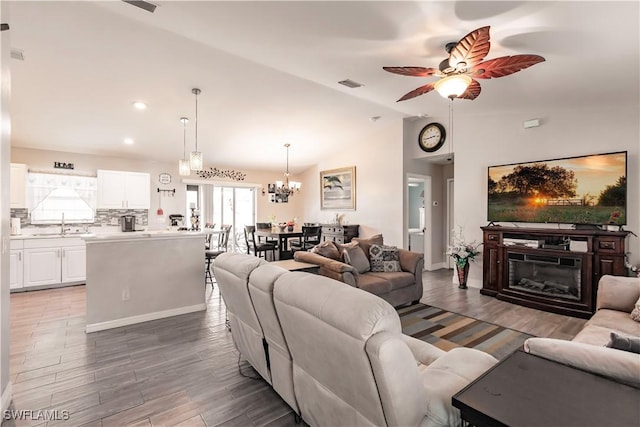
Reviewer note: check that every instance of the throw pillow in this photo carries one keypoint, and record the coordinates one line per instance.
(635, 313)
(624, 342)
(327, 249)
(366, 244)
(355, 257)
(384, 258)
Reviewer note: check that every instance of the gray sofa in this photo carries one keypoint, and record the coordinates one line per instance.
(397, 288)
(616, 298)
(336, 354)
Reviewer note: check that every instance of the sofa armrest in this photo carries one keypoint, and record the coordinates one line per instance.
(409, 261)
(423, 352)
(622, 366)
(618, 293)
(330, 267)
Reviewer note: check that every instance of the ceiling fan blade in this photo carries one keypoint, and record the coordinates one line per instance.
(471, 49)
(417, 92)
(144, 5)
(504, 66)
(413, 71)
(472, 92)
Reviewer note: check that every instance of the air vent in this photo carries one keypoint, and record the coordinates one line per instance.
(149, 7)
(17, 54)
(350, 83)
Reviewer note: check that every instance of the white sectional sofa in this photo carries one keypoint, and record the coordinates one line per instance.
(336, 354)
(616, 299)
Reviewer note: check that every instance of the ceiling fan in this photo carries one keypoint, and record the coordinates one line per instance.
(464, 64)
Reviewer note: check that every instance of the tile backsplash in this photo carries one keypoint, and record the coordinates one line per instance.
(104, 217)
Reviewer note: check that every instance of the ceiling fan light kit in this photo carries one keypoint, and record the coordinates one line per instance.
(465, 64)
(452, 86)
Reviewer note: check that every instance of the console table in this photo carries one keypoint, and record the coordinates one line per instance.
(550, 269)
(527, 390)
(339, 233)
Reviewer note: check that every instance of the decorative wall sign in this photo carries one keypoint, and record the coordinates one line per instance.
(62, 165)
(164, 178)
(219, 173)
(338, 189)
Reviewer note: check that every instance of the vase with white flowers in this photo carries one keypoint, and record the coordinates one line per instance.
(463, 253)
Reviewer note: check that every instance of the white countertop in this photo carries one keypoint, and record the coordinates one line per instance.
(112, 235)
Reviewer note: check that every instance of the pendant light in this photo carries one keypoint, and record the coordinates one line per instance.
(195, 158)
(287, 188)
(184, 169)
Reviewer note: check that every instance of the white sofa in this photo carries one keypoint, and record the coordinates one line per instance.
(336, 354)
(616, 298)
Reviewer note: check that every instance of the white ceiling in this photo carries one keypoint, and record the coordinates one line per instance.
(269, 70)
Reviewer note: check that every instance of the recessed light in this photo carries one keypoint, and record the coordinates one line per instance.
(139, 105)
(128, 141)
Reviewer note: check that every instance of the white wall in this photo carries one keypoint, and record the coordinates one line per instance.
(5, 154)
(377, 157)
(43, 159)
(482, 141)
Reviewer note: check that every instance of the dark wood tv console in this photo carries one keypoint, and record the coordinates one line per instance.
(554, 270)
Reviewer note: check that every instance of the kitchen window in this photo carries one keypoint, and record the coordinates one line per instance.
(50, 196)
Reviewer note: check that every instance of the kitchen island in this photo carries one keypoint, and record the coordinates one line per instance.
(141, 276)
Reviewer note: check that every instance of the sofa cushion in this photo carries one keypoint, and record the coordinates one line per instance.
(624, 342)
(616, 321)
(398, 279)
(327, 249)
(374, 284)
(635, 313)
(356, 258)
(384, 258)
(366, 244)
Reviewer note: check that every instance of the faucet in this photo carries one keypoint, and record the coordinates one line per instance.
(62, 229)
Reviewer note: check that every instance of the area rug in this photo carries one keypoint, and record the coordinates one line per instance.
(448, 330)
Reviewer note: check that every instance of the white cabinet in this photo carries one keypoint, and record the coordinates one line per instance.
(54, 261)
(16, 261)
(18, 186)
(123, 190)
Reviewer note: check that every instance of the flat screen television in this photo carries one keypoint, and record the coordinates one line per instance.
(588, 189)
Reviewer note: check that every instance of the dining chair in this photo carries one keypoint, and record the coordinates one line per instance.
(259, 249)
(207, 239)
(310, 238)
(211, 254)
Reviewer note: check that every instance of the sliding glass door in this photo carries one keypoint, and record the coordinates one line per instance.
(235, 206)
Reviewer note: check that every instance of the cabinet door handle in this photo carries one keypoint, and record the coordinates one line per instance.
(19, 256)
(58, 253)
(62, 252)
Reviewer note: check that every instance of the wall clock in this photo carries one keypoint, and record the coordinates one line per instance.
(164, 178)
(432, 137)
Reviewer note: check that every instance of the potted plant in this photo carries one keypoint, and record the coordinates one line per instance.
(462, 253)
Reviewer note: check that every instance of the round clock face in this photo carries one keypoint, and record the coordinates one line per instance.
(432, 137)
(164, 178)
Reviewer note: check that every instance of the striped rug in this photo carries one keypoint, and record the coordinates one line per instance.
(448, 330)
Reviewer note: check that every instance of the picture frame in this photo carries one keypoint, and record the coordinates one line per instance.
(271, 188)
(338, 189)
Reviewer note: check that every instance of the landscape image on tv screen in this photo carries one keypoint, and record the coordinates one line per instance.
(578, 190)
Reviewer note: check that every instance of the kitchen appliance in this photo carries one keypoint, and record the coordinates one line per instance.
(15, 226)
(128, 222)
(176, 220)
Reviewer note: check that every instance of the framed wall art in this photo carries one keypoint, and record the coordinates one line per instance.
(338, 189)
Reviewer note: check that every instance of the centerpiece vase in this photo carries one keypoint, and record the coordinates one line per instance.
(463, 274)
(289, 227)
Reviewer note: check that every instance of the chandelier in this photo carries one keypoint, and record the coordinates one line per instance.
(195, 158)
(286, 187)
(183, 165)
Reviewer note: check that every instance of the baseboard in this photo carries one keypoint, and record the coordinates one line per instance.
(5, 400)
(125, 321)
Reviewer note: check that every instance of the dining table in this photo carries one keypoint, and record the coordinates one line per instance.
(283, 237)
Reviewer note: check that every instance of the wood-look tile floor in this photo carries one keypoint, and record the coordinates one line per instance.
(180, 371)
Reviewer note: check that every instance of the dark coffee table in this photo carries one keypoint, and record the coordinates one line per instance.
(527, 390)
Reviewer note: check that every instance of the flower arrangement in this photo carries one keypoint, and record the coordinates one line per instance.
(635, 269)
(461, 251)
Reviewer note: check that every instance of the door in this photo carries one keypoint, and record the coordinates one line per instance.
(42, 266)
(111, 189)
(74, 264)
(235, 206)
(450, 220)
(18, 185)
(15, 269)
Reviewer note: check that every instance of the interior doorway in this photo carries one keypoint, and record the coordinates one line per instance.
(418, 230)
